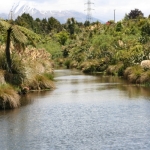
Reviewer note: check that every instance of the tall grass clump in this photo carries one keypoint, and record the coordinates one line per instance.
(67, 63)
(145, 78)
(9, 98)
(73, 64)
(115, 69)
(89, 66)
(49, 76)
(133, 74)
(2, 79)
(40, 82)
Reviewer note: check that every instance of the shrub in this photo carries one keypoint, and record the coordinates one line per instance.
(8, 97)
(50, 76)
(39, 82)
(145, 77)
(62, 37)
(73, 64)
(92, 66)
(115, 69)
(133, 74)
(145, 29)
(52, 47)
(67, 63)
(119, 27)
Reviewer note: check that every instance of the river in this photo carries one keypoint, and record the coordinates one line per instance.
(83, 112)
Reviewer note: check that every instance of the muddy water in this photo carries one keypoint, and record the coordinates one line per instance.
(84, 112)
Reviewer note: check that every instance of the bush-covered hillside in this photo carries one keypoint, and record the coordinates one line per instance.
(31, 48)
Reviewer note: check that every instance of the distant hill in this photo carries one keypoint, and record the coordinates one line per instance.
(62, 16)
(4, 16)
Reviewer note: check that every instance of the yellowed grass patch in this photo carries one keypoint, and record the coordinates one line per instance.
(9, 98)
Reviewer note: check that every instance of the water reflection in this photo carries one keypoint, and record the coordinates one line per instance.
(84, 112)
(31, 97)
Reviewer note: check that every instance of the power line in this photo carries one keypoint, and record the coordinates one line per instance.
(89, 10)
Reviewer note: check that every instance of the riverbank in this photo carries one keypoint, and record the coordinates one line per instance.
(134, 74)
(32, 70)
(115, 49)
(83, 112)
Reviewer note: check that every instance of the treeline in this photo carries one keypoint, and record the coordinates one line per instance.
(46, 26)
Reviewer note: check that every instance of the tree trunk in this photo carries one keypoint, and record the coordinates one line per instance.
(7, 51)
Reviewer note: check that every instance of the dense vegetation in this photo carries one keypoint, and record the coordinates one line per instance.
(111, 48)
(22, 67)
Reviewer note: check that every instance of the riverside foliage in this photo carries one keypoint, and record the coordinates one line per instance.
(112, 48)
(22, 67)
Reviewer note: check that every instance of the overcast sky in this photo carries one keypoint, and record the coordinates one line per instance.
(102, 9)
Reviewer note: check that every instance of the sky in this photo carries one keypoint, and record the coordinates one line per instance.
(101, 9)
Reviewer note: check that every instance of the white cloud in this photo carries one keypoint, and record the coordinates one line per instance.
(6, 5)
(103, 9)
(63, 5)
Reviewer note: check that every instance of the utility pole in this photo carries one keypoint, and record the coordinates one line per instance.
(11, 15)
(89, 10)
(114, 15)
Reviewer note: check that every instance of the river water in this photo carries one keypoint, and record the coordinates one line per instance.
(84, 112)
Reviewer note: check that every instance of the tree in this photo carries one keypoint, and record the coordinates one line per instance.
(53, 24)
(25, 20)
(71, 24)
(62, 37)
(126, 17)
(134, 14)
(86, 23)
(28, 22)
(44, 25)
(119, 27)
(145, 29)
(19, 35)
(37, 26)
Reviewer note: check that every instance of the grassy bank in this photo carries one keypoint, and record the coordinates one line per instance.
(32, 69)
(9, 98)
